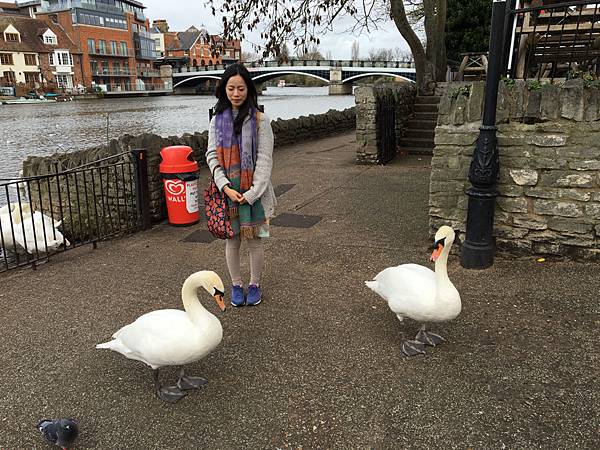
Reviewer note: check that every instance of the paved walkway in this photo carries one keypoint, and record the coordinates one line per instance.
(318, 364)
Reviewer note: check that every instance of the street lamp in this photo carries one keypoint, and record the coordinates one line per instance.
(477, 251)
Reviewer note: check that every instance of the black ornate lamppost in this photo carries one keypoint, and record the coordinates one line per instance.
(478, 249)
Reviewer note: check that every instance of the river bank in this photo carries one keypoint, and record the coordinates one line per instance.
(70, 126)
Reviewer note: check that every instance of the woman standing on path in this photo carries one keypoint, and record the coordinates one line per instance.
(240, 155)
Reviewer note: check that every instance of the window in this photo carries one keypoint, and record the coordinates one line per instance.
(113, 48)
(102, 47)
(32, 77)
(91, 46)
(50, 40)
(124, 48)
(63, 58)
(11, 37)
(6, 59)
(51, 57)
(64, 81)
(9, 77)
(30, 60)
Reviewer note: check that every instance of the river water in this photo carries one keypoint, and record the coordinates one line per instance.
(43, 129)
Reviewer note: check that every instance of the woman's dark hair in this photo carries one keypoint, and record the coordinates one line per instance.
(224, 103)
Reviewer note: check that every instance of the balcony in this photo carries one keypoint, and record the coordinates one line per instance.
(149, 73)
(108, 52)
(111, 73)
(68, 4)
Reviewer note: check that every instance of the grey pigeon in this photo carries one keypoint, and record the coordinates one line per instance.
(61, 432)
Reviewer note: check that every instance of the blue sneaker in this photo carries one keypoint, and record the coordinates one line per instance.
(237, 295)
(254, 295)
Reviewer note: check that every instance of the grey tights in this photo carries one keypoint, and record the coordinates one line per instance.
(257, 259)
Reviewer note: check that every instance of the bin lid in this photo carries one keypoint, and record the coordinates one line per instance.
(177, 158)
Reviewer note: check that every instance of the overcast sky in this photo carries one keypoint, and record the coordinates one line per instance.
(181, 14)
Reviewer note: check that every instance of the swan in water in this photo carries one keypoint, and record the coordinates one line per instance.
(172, 337)
(32, 231)
(421, 294)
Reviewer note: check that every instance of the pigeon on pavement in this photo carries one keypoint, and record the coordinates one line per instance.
(61, 432)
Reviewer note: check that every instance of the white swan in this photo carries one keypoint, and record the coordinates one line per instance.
(417, 292)
(171, 337)
(24, 230)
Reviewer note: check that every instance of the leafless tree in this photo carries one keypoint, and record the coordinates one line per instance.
(301, 22)
(355, 51)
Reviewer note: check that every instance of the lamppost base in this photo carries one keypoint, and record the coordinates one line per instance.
(476, 256)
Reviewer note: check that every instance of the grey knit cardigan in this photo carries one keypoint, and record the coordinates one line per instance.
(261, 182)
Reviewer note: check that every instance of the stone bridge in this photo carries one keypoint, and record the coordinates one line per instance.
(339, 74)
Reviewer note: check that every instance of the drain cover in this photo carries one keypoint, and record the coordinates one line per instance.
(282, 189)
(295, 220)
(201, 236)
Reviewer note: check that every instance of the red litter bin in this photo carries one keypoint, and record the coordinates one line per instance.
(179, 172)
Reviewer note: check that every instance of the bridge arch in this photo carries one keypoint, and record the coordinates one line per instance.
(205, 77)
(271, 75)
(375, 74)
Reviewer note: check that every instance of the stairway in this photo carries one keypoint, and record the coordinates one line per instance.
(420, 132)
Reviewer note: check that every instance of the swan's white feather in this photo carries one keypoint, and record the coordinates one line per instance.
(168, 337)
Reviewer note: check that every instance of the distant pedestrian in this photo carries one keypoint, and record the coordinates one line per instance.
(240, 153)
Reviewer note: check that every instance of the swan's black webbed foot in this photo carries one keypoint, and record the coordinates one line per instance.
(186, 382)
(413, 348)
(171, 394)
(429, 338)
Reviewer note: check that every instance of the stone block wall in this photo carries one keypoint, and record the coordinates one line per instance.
(114, 192)
(549, 181)
(401, 95)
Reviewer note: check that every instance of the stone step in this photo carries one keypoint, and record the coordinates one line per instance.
(415, 150)
(419, 133)
(426, 108)
(422, 116)
(421, 124)
(427, 99)
(416, 142)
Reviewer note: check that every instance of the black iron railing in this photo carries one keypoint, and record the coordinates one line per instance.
(386, 131)
(56, 212)
(553, 40)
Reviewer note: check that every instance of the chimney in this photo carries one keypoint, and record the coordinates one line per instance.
(161, 24)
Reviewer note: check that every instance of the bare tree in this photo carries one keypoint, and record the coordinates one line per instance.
(382, 54)
(249, 57)
(283, 56)
(310, 53)
(301, 22)
(355, 51)
(403, 55)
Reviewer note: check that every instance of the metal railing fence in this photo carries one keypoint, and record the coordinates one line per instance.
(60, 211)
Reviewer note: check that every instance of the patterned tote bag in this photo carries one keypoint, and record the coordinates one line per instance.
(217, 213)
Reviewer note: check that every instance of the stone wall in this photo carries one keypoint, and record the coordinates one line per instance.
(401, 95)
(285, 131)
(549, 181)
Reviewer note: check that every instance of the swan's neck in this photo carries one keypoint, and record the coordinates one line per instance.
(191, 304)
(441, 267)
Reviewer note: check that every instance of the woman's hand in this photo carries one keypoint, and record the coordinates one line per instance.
(233, 195)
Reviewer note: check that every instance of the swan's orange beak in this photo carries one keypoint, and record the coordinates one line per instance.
(220, 301)
(437, 252)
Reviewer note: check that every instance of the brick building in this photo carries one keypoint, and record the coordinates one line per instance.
(37, 54)
(113, 35)
(196, 47)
